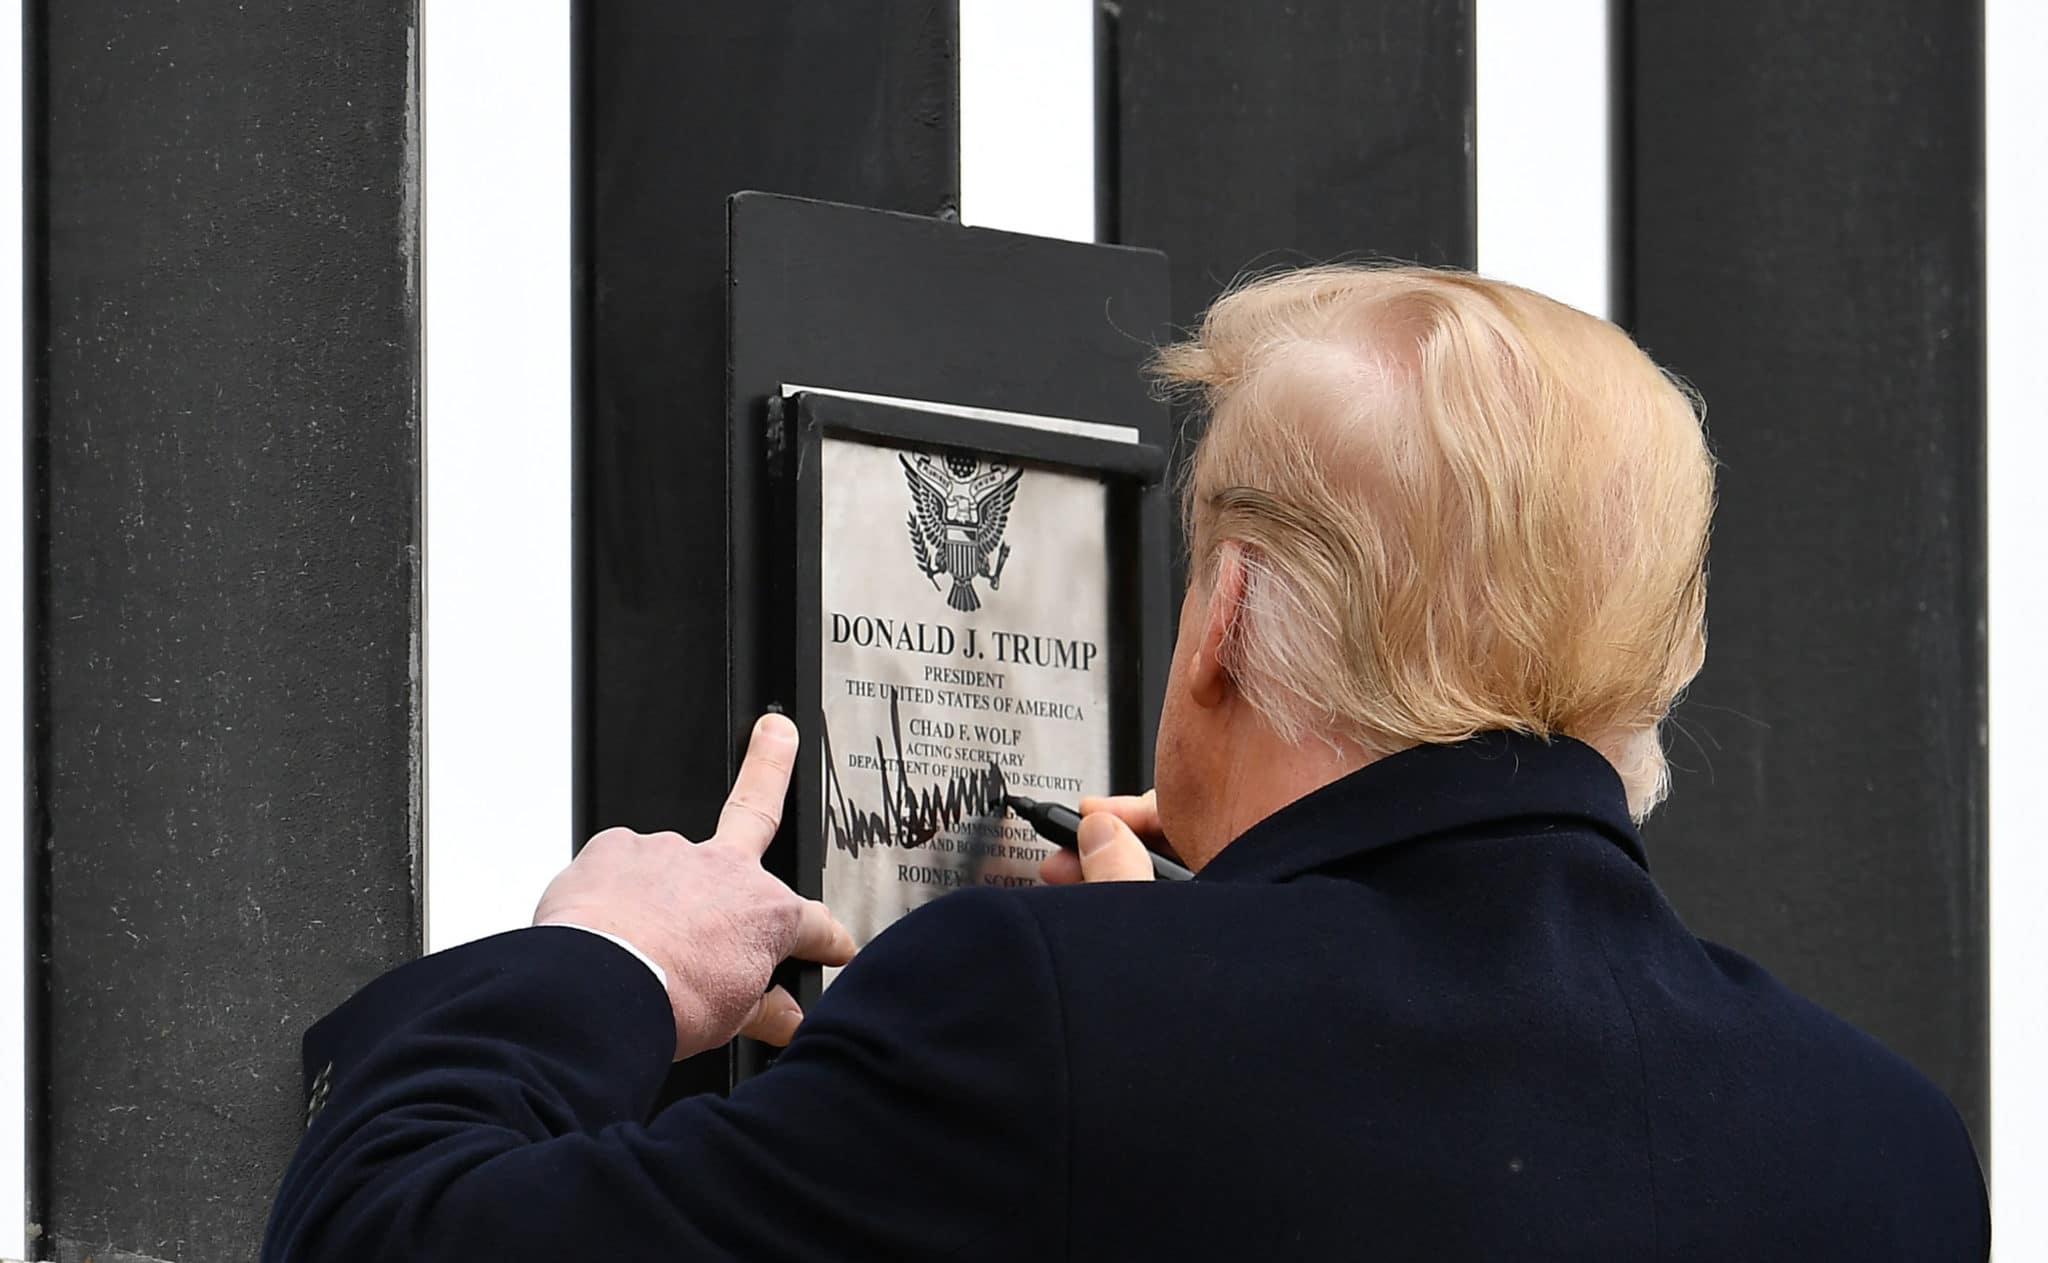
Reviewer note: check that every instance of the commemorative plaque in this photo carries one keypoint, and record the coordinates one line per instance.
(963, 627)
(965, 647)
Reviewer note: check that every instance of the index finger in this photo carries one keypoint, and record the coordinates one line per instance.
(753, 811)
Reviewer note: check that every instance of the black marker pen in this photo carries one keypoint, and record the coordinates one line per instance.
(1060, 825)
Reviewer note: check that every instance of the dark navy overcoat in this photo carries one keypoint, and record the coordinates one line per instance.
(1435, 1011)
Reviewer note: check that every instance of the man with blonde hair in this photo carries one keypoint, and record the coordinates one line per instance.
(1422, 1001)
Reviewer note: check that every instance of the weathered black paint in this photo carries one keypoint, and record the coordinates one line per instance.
(1806, 247)
(224, 554)
(1108, 120)
(1250, 138)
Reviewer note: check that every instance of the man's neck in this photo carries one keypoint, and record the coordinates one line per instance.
(1267, 774)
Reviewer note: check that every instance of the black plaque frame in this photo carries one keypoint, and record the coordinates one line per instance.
(1132, 472)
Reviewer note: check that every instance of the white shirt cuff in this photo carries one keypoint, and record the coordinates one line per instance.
(642, 957)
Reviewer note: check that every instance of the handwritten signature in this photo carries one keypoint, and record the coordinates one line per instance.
(909, 815)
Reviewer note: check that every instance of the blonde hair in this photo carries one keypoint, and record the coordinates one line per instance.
(1460, 506)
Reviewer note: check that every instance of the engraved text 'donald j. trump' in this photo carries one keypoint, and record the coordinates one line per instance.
(959, 507)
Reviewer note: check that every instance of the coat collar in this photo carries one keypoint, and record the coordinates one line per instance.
(1429, 790)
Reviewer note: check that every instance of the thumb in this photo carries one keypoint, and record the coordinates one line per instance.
(775, 1019)
(1110, 851)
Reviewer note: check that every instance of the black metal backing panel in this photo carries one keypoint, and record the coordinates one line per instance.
(680, 106)
(1807, 248)
(1250, 136)
(224, 529)
(847, 298)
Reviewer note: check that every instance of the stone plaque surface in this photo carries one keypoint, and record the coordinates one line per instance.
(964, 628)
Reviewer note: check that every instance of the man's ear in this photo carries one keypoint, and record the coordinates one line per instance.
(1209, 681)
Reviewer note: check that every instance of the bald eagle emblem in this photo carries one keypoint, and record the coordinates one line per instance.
(959, 507)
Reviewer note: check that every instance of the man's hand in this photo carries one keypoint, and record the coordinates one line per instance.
(1112, 841)
(707, 912)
